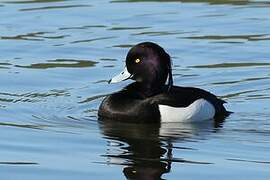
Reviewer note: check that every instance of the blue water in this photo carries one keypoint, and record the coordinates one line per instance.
(55, 59)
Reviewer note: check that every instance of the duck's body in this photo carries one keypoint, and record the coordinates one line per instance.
(149, 99)
(180, 104)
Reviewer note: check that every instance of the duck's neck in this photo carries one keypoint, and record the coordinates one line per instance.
(145, 90)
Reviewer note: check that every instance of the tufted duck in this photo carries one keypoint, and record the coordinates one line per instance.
(149, 99)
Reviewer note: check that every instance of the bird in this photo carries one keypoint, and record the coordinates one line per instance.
(153, 98)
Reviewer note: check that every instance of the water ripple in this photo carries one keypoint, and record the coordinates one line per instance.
(233, 65)
(31, 97)
(230, 38)
(5, 65)
(158, 33)
(54, 7)
(129, 158)
(210, 2)
(82, 27)
(89, 99)
(123, 45)
(32, 1)
(250, 161)
(61, 63)
(94, 39)
(17, 163)
(31, 126)
(34, 36)
(240, 81)
(128, 28)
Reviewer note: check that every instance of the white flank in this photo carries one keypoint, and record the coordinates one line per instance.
(199, 110)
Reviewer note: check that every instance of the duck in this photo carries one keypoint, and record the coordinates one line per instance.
(153, 98)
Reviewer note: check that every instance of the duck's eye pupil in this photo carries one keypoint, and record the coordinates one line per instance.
(137, 60)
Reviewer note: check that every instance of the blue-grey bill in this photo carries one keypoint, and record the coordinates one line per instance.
(124, 75)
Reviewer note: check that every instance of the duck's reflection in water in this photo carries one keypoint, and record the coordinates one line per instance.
(146, 150)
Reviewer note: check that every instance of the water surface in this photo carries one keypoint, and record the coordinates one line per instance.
(57, 55)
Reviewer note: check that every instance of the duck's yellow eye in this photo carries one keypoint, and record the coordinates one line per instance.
(137, 60)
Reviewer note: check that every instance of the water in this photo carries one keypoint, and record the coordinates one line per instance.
(56, 56)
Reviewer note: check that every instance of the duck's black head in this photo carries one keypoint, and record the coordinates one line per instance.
(149, 65)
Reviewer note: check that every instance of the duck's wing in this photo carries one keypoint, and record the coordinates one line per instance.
(185, 96)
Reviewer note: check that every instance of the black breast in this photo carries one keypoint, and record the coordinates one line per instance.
(128, 107)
